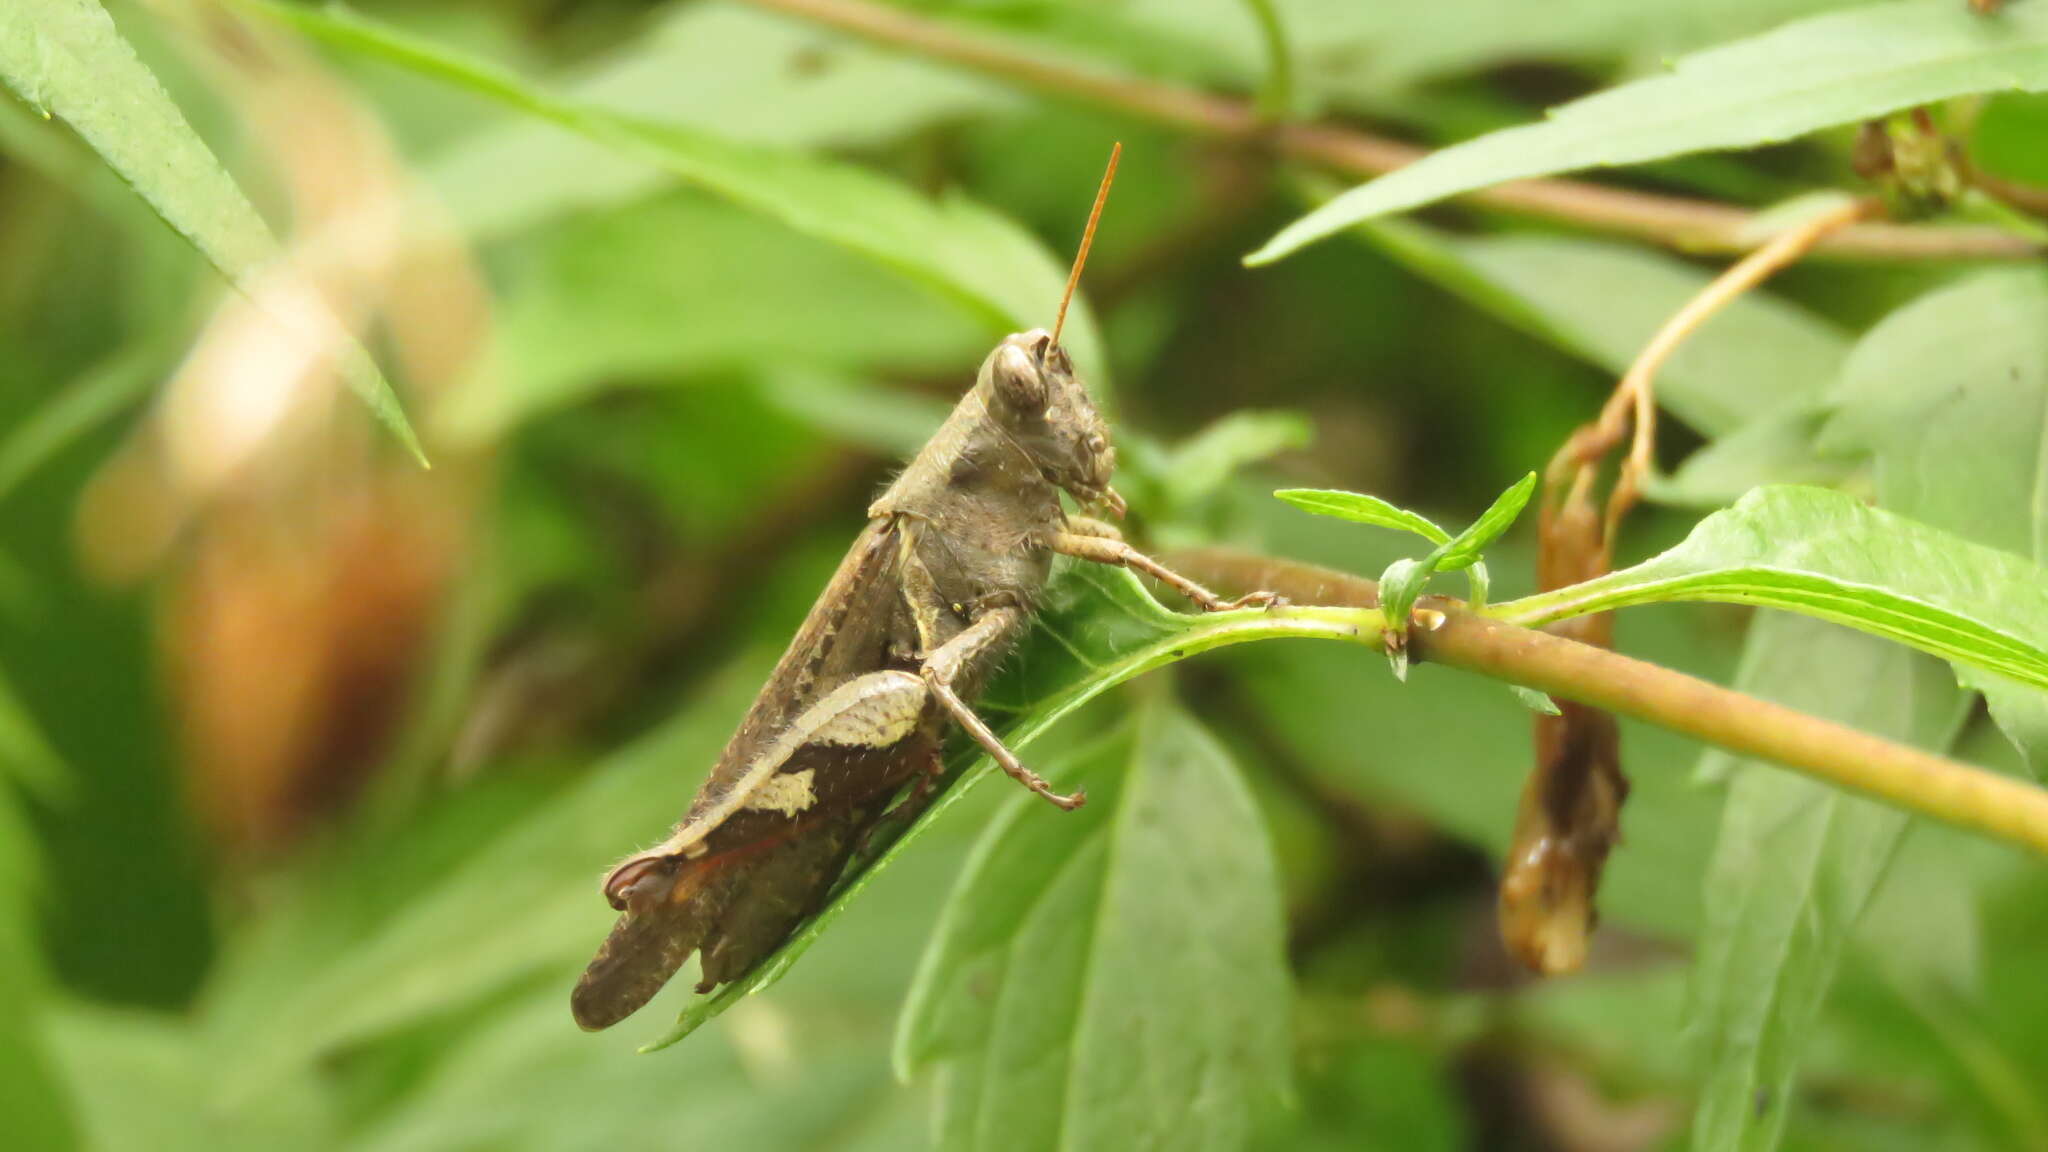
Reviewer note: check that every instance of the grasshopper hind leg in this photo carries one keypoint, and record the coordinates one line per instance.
(782, 887)
(904, 811)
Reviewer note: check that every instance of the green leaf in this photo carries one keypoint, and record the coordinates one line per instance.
(1199, 466)
(1202, 43)
(66, 58)
(395, 931)
(2006, 138)
(520, 1081)
(686, 287)
(888, 421)
(1948, 396)
(731, 69)
(96, 397)
(1832, 69)
(951, 244)
(1371, 1089)
(1535, 701)
(1093, 983)
(1825, 555)
(2013, 1005)
(1276, 95)
(1618, 1023)
(1462, 551)
(33, 1095)
(143, 1083)
(1781, 447)
(1184, 491)
(26, 758)
(1795, 866)
(1602, 301)
(1410, 44)
(33, 1091)
(1362, 509)
(1404, 580)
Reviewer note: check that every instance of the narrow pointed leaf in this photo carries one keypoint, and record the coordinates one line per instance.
(727, 68)
(66, 58)
(1362, 509)
(1837, 68)
(1823, 554)
(1796, 864)
(33, 1098)
(1462, 551)
(951, 244)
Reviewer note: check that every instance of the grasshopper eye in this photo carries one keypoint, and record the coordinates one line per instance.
(1019, 383)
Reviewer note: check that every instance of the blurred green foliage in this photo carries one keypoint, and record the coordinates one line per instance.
(310, 761)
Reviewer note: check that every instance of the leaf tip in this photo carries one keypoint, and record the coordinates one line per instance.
(1271, 252)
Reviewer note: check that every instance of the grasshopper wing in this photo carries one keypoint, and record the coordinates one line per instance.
(736, 879)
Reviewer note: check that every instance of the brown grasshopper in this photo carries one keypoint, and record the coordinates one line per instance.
(940, 585)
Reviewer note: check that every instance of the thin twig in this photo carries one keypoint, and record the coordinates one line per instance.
(1688, 224)
(1634, 401)
(1897, 774)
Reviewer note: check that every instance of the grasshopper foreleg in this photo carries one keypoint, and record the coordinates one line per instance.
(1091, 526)
(992, 630)
(1098, 541)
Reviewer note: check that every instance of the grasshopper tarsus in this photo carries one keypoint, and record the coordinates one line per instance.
(1255, 600)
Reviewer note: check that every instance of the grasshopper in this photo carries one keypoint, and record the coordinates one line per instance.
(932, 596)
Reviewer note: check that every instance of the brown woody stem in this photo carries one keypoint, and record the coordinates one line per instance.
(1897, 774)
(1689, 224)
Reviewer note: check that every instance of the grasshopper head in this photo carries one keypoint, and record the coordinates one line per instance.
(1032, 391)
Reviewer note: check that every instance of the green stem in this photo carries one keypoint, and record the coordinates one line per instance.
(1276, 96)
(1897, 774)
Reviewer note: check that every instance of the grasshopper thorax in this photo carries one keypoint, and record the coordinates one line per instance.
(1030, 389)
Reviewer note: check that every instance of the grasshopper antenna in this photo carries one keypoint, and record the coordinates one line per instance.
(1087, 237)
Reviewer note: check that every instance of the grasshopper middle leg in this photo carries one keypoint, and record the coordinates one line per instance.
(992, 631)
